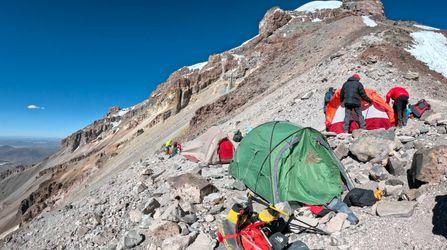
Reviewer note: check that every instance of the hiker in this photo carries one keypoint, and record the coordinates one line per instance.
(328, 97)
(400, 98)
(174, 150)
(351, 96)
(168, 146)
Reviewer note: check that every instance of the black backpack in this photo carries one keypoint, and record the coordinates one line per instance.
(237, 136)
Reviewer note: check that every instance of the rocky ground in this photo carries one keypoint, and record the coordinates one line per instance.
(176, 204)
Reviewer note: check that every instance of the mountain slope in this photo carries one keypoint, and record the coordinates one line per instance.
(281, 74)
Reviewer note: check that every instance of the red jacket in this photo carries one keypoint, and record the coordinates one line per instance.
(395, 93)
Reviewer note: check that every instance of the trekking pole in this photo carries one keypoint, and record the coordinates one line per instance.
(309, 227)
(265, 203)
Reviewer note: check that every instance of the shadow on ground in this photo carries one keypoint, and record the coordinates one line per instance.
(440, 216)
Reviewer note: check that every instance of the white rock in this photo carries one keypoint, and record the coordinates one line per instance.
(209, 218)
(336, 223)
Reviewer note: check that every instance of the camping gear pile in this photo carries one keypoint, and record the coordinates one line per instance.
(295, 175)
(243, 228)
(287, 165)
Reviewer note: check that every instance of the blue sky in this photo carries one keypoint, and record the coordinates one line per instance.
(75, 59)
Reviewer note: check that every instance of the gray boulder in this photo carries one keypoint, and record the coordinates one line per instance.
(410, 75)
(202, 242)
(396, 166)
(173, 213)
(429, 165)
(177, 242)
(150, 206)
(189, 218)
(146, 221)
(374, 145)
(341, 151)
(191, 187)
(164, 229)
(132, 239)
(378, 173)
(396, 208)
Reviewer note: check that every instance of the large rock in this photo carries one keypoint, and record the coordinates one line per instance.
(410, 75)
(336, 223)
(202, 242)
(433, 118)
(135, 216)
(177, 242)
(396, 208)
(132, 239)
(146, 221)
(164, 229)
(213, 199)
(429, 165)
(274, 19)
(378, 173)
(341, 151)
(173, 213)
(191, 187)
(375, 145)
(141, 187)
(150, 206)
(396, 166)
(189, 218)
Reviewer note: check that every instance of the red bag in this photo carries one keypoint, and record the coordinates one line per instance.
(419, 108)
(253, 238)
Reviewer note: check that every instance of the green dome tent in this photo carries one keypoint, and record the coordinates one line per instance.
(280, 161)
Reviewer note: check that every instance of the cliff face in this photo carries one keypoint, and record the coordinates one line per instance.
(230, 68)
(365, 7)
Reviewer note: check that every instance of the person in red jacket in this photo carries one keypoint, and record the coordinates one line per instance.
(400, 98)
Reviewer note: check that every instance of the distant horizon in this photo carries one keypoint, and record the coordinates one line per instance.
(64, 64)
(24, 137)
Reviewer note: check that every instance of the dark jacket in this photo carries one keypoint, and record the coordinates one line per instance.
(353, 92)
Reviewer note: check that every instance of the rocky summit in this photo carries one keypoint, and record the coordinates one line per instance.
(109, 187)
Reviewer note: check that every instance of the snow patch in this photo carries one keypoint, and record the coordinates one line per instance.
(368, 21)
(430, 48)
(198, 66)
(238, 57)
(316, 20)
(425, 27)
(122, 112)
(116, 123)
(249, 40)
(319, 5)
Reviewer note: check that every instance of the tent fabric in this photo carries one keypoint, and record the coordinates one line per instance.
(205, 147)
(280, 161)
(378, 115)
(225, 151)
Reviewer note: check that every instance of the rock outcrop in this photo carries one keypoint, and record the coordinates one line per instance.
(365, 7)
(274, 19)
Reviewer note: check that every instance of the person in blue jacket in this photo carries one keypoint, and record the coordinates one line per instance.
(328, 97)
